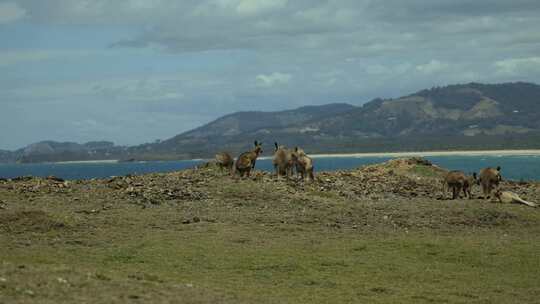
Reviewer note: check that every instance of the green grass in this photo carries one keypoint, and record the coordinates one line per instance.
(257, 242)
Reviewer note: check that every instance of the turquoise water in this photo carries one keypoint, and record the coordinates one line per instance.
(513, 167)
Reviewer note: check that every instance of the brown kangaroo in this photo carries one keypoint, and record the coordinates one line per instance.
(246, 161)
(282, 161)
(224, 160)
(303, 164)
(489, 179)
(458, 181)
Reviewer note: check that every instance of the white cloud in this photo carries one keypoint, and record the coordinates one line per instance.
(273, 79)
(431, 67)
(252, 7)
(10, 12)
(515, 66)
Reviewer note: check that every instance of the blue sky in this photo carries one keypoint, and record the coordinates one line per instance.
(134, 71)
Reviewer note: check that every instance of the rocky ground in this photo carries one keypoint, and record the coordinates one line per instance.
(68, 240)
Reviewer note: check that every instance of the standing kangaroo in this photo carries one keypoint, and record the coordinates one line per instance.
(458, 181)
(303, 164)
(246, 161)
(282, 161)
(489, 179)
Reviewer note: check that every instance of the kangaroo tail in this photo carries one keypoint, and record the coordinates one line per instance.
(531, 204)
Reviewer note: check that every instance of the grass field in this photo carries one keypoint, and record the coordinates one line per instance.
(198, 236)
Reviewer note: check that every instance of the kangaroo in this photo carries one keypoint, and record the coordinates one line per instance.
(303, 164)
(470, 181)
(508, 197)
(458, 181)
(489, 179)
(246, 161)
(224, 160)
(282, 161)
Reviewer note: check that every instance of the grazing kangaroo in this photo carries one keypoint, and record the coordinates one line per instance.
(457, 181)
(282, 161)
(224, 160)
(303, 164)
(470, 181)
(508, 197)
(489, 179)
(246, 161)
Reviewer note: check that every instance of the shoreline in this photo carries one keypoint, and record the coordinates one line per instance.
(435, 153)
(102, 161)
(522, 152)
(530, 152)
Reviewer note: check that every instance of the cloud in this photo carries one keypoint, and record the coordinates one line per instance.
(10, 12)
(434, 66)
(257, 6)
(518, 66)
(175, 58)
(273, 79)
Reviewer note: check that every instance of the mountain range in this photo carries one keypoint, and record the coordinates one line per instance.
(464, 116)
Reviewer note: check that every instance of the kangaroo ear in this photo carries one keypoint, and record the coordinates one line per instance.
(474, 175)
(295, 149)
(256, 143)
(498, 168)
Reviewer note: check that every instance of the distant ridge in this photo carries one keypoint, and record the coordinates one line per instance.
(471, 116)
(463, 116)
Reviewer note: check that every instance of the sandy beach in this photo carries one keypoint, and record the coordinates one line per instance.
(429, 153)
(102, 161)
(434, 153)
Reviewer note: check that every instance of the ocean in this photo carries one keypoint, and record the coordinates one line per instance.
(513, 167)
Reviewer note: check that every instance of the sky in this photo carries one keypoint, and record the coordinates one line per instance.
(134, 71)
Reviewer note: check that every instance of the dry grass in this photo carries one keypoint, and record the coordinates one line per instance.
(217, 240)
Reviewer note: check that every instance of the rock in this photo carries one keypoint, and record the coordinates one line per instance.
(130, 190)
(22, 178)
(55, 179)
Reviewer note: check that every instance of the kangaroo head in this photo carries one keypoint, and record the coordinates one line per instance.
(258, 148)
(499, 176)
(294, 154)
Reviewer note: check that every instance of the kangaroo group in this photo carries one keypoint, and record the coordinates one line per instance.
(488, 178)
(287, 161)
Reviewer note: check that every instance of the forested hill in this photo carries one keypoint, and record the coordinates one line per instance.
(465, 116)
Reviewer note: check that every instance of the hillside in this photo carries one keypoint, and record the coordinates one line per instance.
(377, 234)
(51, 151)
(468, 116)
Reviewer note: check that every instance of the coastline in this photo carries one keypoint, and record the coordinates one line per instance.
(103, 161)
(523, 152)
(530, 152)
(435, 153)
